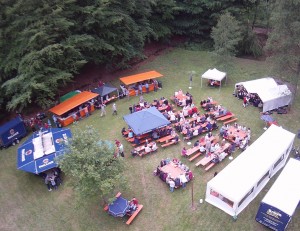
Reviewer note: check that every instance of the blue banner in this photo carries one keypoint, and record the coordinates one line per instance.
(25, 156)
(272, 217)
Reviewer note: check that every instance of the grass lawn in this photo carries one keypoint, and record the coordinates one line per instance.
(25, 203)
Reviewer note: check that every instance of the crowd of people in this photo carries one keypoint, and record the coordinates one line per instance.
(241, 143)
(184, 100)
(52, 178)
(179, 181)
(248, 98)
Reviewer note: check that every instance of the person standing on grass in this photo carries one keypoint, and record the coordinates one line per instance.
(172, 185)
(114, 107)
(102, 107)
(183, 180)
(121, 149)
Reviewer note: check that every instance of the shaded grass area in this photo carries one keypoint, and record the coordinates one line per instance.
(27, 205)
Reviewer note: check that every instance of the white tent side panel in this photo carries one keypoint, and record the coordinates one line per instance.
(239, 183)
(280, 203)
(275, 97)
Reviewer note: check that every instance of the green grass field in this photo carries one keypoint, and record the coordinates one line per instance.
(25, 203)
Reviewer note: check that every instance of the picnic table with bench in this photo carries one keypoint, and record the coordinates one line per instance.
(131, 217)
(225, 117)
(168, 140)
(141, 149)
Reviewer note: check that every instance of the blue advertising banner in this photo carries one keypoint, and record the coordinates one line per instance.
(29, 162)
(11, 131)
(272, 217)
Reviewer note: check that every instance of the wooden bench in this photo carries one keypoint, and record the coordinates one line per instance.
(142, 141)
(136, 212)
(210, 166)
(229, 121)
(195, 156)
(169, 143)
(225, 117)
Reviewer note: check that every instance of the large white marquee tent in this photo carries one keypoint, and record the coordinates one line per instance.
(272, 95)
(239, 183)
(280, 203)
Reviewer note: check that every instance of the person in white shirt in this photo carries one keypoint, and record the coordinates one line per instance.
(195, 133)
(154, 147)
(183, 180)
(147, 149)
(202, 149)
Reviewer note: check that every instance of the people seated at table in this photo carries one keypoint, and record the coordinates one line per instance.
(175, 139)
(201, 148)
(130, 133)
(154, 147)
(147, 149)
(155, 135)
(195, 132)
(244, 144)
(132, 206)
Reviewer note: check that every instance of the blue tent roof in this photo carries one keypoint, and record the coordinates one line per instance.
(146, 120)
(28, 162)
(105, 89)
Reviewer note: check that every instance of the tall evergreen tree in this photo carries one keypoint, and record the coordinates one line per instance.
(283, 43)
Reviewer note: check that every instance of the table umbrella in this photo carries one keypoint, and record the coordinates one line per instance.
(267, 118)
(118, 208)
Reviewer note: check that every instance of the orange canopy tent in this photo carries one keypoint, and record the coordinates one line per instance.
(73, 102)
(140, 77)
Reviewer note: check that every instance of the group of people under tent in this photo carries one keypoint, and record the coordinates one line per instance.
(138, 87)
(52, 178)
(248, 98)
(179, 181)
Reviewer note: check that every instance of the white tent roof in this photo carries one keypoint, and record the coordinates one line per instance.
(285, 192)
(214, 74)
(241, 175)
(258, 85)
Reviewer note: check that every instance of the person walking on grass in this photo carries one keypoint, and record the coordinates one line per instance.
(114, 107)
(103, 112)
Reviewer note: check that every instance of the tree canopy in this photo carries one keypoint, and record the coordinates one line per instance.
(91, 166)
(45, 43)
(284, 41)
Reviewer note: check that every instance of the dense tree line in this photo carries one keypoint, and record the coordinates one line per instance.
(45, 42)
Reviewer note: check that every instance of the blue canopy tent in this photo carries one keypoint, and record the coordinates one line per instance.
(146, 120)
(38, 153)
(105, 89)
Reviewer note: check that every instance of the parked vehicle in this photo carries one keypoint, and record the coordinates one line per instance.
(11, 132)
